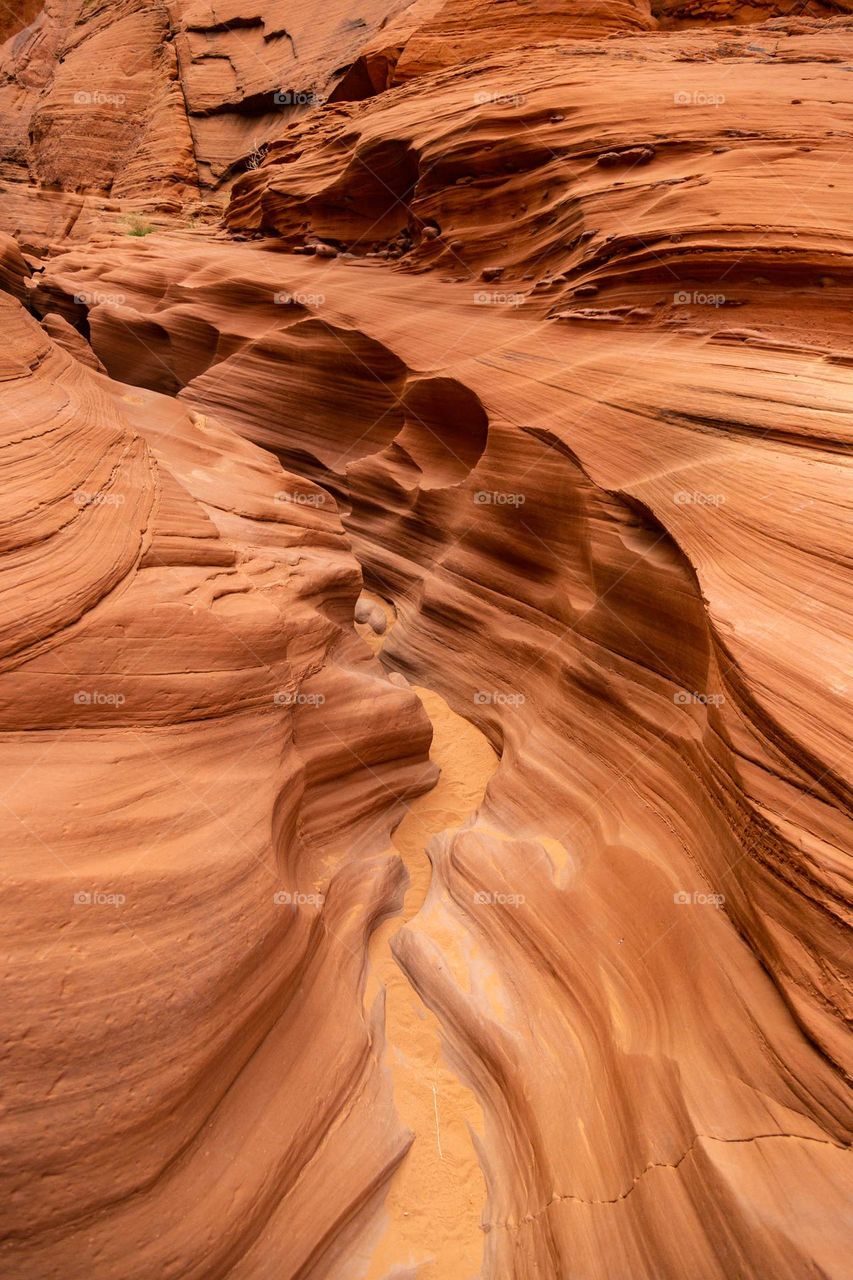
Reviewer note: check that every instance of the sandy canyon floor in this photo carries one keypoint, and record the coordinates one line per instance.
(424, 701)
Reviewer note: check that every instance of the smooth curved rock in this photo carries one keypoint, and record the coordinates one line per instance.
(273, 1008)
(670, 764)
(363, 609)
(179, 649)
(378, 621)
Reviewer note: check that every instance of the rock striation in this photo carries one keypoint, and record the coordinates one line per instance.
(182, 693)
(506, 405)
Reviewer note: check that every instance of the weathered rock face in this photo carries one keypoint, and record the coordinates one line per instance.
(561, 196)
(561, 366)
(154, 104)
(182, 695)
(14, 271)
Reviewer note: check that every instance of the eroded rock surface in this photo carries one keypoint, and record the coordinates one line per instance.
(182, 695)
(527, 414)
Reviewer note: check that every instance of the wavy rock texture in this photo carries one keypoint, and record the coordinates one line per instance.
(179, 661)
(152, 104)
(156, 106)
(547, 333)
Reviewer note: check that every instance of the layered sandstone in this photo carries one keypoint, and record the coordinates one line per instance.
(182, 694)
(544, 336)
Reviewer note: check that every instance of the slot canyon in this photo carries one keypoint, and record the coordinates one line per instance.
(424, 706)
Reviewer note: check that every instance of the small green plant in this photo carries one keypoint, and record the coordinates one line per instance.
(136, 226)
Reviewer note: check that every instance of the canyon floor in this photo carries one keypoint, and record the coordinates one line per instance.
(424, 680)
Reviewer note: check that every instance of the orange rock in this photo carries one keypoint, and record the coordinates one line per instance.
(565, 478)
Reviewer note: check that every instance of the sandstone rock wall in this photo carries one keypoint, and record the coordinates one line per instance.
(540, 328)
